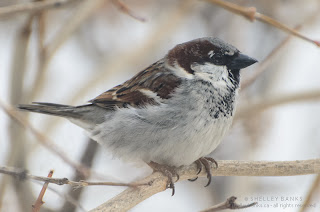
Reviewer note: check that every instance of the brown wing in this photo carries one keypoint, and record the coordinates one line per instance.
(135, 92)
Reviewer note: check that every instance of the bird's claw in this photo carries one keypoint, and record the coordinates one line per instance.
(167, 171)
(205, 162)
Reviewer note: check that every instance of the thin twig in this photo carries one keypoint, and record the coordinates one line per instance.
(41, 30)
(39, 202)
(269, 102)
(29, 7)
(133, 196)
(230, 203)
(125, 9)
(312, 193)
(22, 174)
(251, 14)
(274, 53)
(66, 197)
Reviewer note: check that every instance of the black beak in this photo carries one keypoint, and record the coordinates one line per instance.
(241, 61)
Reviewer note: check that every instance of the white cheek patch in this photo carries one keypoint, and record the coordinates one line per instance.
(206, 77)
(210, 72)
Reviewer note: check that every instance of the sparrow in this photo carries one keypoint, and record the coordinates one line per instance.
(173, 113)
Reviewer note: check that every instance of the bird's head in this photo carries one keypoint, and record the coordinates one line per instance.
(208, 56)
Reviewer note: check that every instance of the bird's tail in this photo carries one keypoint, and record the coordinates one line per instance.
(66, 111)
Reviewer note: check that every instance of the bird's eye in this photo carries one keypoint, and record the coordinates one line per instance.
(229, 53)
(218, 59)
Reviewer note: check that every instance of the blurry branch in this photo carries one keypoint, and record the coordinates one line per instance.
(265, 63)
(274, 53)
(46, 142)
(41, 65)
(88, 156)
(313, 192)
(22, 174)
(66, 197)
(40, 17)
(125, 9)
(230, 203)
(251, 14)
(39, 202)
(266, 103)
(29, 7)
(16, 150)
(82, 13)
(133, 196)
(116, 64)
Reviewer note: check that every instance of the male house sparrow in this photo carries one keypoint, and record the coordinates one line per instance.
(173, 113)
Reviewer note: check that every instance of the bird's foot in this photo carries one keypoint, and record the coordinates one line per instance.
(167, 171)
(205, 162)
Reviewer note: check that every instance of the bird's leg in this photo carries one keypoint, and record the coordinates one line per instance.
(167, 171)
(205, 162)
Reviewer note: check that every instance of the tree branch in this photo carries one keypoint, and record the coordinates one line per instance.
(22, 174)
(251, 14)
(133, 196)
(313, 192)
(39, 202)
(270, 102)
(64, 196)
(230, 203)
(125, 9)
(28, 7)
(263, 65)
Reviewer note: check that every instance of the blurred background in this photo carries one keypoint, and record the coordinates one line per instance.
(72, 54)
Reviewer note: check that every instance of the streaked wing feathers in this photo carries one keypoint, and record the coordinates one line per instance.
(155, 79)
